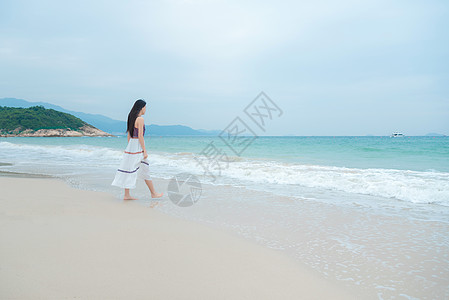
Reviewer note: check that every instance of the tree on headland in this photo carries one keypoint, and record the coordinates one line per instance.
(35, 118)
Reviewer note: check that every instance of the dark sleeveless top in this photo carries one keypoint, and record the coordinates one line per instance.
(136, 132)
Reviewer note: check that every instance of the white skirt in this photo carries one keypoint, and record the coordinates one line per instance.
(133, 165)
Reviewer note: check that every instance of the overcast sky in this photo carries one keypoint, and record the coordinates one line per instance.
(334, 67)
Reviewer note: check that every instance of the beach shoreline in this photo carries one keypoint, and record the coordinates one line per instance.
(61, 242)
(371, 245)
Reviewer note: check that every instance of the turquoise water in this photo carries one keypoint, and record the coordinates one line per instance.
(411, 169)
(407, 153)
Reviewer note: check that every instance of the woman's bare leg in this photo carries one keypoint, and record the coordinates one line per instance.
(128, 195)
(152, 190)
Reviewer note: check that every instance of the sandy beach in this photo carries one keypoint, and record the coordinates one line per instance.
(60, 242)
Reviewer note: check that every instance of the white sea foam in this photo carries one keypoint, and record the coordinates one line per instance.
(57, 153)
(410, 186)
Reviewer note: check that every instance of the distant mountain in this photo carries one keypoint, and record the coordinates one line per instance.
(106, 124)
(209, 132)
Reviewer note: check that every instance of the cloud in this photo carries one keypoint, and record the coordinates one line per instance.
(213, 56)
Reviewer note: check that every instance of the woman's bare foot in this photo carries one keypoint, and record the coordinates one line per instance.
(155, 195)
(128, 195)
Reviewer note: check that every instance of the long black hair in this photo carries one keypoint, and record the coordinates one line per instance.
(132, 116)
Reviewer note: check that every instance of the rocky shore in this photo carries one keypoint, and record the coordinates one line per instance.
(60, 132)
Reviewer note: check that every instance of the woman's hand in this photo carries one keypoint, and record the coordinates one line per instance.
(145, 154)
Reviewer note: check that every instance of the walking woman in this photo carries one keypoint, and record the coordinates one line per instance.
(134, 163)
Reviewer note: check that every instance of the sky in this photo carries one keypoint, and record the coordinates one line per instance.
(333, 67)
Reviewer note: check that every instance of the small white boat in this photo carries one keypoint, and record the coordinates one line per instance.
(397, 134)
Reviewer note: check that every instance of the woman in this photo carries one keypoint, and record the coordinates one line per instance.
(134, 162)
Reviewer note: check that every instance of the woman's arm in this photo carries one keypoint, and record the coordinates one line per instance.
(140, 124)
(129, 136)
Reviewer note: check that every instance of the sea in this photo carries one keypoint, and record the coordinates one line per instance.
(371, 212)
